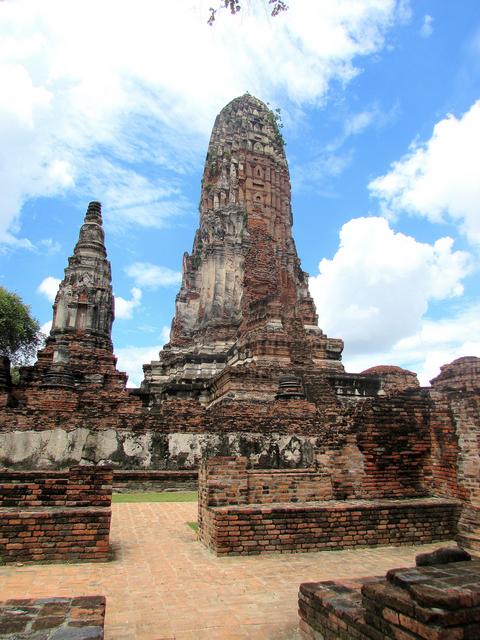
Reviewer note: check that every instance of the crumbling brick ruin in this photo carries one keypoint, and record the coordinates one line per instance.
(248, 511)
(58, 517)
(437, 600)
(247, 371)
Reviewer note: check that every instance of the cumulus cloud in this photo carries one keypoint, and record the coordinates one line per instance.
(132, 359)
(152, 276)
(49, 287)
(377, 287)
(436, 343)
(124, 308)
(439, 179)
(133, 93)
(427, 26)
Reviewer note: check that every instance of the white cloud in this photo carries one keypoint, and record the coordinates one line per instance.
(152, 276)
(49, 287)
(357, 122)
(133, 92)
(427, 27)
(332, 161)
(439, 179)
(48, 246)
(132, 359)
(124, 308)
(436, 343)
(377, 287)
(129, 198)
(46, 327)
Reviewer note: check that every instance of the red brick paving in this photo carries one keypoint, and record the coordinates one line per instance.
(164, 585)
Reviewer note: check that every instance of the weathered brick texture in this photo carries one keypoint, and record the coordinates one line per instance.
(56, 519)
(438, 602)
(455, 449)
(80, 618)
(248, 512)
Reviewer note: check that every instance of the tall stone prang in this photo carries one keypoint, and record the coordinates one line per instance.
(244, 298)
(79, 347)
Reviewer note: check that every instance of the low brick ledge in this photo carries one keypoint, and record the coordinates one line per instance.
(80, 618)
(339, 505)
(326, 525)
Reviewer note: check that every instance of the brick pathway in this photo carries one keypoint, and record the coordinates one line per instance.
(164, 585)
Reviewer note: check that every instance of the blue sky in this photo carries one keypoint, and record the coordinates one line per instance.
(380, 101)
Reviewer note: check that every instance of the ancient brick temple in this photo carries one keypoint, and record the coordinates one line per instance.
(79, 349)
(244, 300)
(247, 371)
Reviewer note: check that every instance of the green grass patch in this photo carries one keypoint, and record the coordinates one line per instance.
(156, 496)
(193, 525)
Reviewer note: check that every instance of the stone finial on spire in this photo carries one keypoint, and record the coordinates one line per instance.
(94, 212)
(91, 240)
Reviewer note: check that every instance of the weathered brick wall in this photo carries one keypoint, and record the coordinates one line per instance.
(455, 448)
(61, 534)
(250, 511)
(330, 525)
(96, 424)
(281, 485)
(392, 434)
(80, 487)
(66, 517)
(229, 481)
(455, 426)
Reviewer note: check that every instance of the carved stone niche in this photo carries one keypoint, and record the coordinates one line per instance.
(290, 388)
(60, 373)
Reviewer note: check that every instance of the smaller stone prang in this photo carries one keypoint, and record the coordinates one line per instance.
(84, 303)
(79, 348)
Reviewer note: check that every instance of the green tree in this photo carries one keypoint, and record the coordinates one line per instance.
(20, 334)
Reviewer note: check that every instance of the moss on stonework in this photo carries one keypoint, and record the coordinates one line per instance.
(275, 119)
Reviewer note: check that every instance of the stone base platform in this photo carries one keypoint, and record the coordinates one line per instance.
(327, 525)
(437, 602)
(79, 618)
